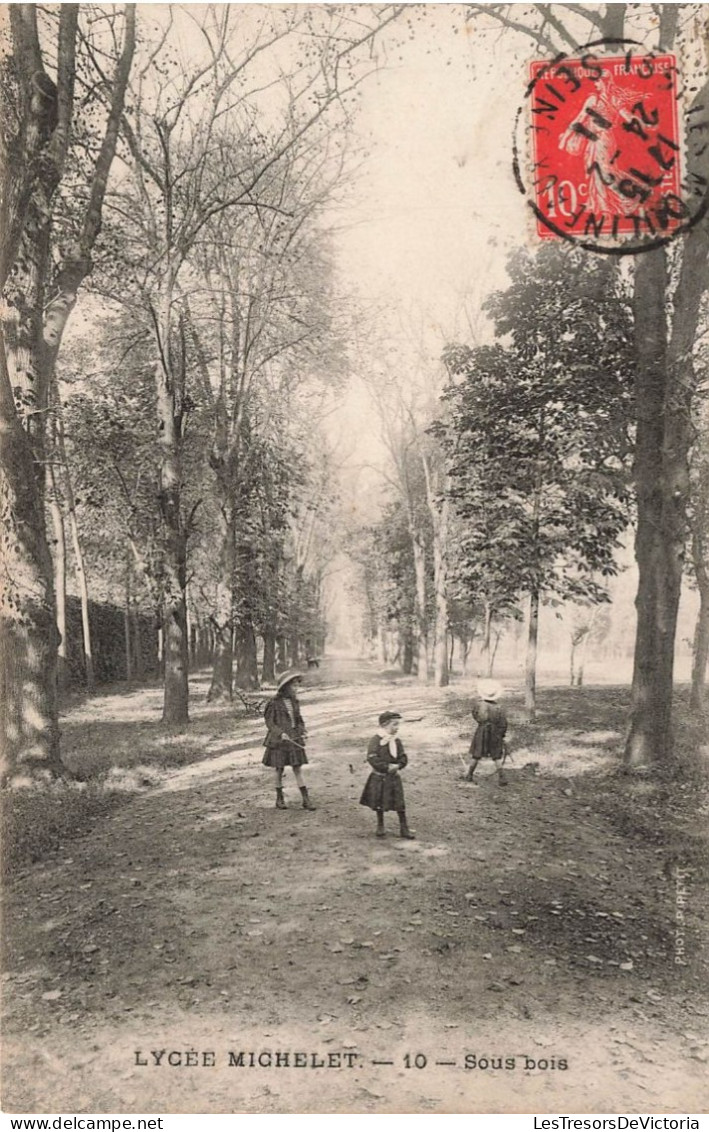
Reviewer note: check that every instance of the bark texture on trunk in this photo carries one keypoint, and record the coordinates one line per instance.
(174, 612)
(422, 670)
(659, 568)
(530, 674)
(268, 669)
(700, 650)
(584, 648)
(247, 665)
(440, 582)
(127, 626)
(137, 636)
(665, 385)
(35, 125)
(80, 570)
(28, 616)
(55, 509)
(169, 385)
(407, 652)
(222, 685)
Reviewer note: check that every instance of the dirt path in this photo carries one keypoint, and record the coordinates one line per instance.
(523, 923)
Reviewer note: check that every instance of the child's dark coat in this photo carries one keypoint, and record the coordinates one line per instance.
(281, 752)
(384, 791)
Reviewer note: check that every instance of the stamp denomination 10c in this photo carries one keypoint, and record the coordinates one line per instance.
(604, 164)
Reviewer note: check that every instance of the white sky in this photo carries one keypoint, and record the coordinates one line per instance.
(434, 207)
(437, 188)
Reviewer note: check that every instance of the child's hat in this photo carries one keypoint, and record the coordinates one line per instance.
(490, 690)
(287, 676)
(387, 716)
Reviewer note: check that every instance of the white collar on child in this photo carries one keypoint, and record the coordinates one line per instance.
(390, 741)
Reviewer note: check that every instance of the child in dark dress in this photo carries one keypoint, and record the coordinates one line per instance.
(383, 789)
(489, 738)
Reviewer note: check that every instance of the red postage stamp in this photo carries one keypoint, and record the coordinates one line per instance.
(605, 148)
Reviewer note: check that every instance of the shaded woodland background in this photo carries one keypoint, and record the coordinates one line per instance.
(179, 343)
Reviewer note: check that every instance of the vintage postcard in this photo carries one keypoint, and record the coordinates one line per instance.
(355, 567)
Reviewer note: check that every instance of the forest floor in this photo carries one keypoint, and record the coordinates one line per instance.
(558, 923)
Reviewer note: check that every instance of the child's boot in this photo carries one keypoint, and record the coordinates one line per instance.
(471, 771)
(404, 831)
(380, 824)
(280, 800)
(501, 777)
(307, 804)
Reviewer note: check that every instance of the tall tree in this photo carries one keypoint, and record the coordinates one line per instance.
(699, 551)
(666, 308)
(39, 275)
(264, 326)
(539, 432)
(182, 122)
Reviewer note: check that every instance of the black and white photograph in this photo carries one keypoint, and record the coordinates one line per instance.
(354, 573)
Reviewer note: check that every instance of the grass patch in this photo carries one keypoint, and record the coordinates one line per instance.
(93, 751)
(38, 820)
(111, 756)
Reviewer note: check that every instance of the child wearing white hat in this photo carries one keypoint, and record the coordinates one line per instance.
(488, 740)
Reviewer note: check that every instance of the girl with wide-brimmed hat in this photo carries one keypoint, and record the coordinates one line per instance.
(285, 739)
(488, 740)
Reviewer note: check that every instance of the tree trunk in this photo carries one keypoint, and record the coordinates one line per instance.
(189, 629)
(28, 616)
(138, 660)
(421, 619)
(665, 385)
(487, 632)
(79, 567)
(382, 650)
(700, 652)
(174, 539)
(201, 645)
(268, 669)
(29, 641)
(127, 621)
(281, 656)
(584, 647)
(80, 571)
(36, 115)
(530, 678)
(493, 651)
(440, 583)
(221, 688)
(175, 700)
(407, 652)
(656, 551)
(247, 662)
(55, 508)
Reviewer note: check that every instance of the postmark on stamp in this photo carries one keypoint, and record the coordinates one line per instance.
(603, 163)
